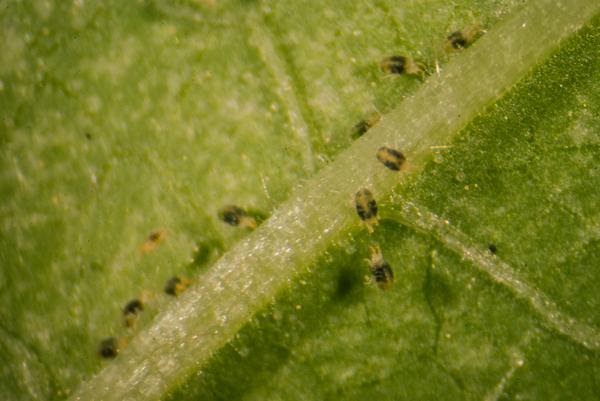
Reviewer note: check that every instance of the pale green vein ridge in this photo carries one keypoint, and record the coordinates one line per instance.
(421, 219)
(517, 361)
(185, 335)
(262, 41)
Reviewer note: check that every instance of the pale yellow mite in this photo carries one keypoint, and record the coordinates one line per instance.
(153, 240)
(380, 269)
(366, 208)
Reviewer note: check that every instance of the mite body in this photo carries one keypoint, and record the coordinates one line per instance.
(401, 65)
(464, 38)
(391, 158)
(380, 269)
(110, 347)
(176, 285)
(153, 240)
(236, 216)
(364, 125)
(366, 208)
(131, 312)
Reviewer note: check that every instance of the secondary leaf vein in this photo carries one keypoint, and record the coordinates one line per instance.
(423, 220)
(261, 39)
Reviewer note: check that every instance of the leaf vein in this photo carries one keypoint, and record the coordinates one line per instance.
(423, 220)
(261, 39)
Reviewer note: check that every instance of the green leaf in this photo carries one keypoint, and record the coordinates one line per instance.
(120, 119)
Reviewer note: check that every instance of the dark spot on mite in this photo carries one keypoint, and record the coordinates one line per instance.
(366, 207)
(88, 136)
(360, 128)
(492, 248)
(133, 307)
(171, 285)
(380, 269)
(131, 310)
(457, 40)
(391, 158)
(176, 285)
(154, 236)
(364, 125)
(383, 273)
(109, 348)
(152, 241)
(401, 65)
(236, 216)
(464, 38)
(231, 215)
(394, 64)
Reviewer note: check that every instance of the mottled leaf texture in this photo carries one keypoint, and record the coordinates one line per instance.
(127, 127)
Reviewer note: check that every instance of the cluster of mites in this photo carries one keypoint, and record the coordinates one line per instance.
(405, 65)
(110, 347)
(366, 206)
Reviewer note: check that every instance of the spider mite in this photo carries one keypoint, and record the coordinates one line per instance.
(401, 65)
(176, 285)
(153, 240)
(366, 208)
(463, 38)
(380, 269)
(364, 125)
(110, 347)
(391, 158)
(236, 216)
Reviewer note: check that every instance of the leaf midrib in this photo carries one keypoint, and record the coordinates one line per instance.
(195, 326)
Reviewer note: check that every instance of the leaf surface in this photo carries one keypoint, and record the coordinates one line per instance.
(149, 116)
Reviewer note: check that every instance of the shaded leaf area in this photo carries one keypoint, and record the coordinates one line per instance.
(521, 177)
(122, 118)
(534, 196)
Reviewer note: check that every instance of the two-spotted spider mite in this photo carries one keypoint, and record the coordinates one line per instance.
(464, 38)
(401, 65)
(153, 240)
(380, 269)
(236, 216)
(110, 347)
(366, 208)
(364, 125)
(176, 285)
(131, 311)
(391, 158)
